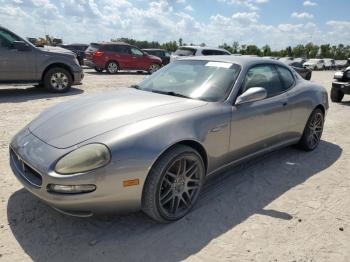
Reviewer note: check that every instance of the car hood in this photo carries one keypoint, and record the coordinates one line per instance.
(75, 121)
(56, 50)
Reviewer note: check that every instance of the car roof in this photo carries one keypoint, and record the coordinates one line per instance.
(153, 49)
(110, 43)
(202, 47)
(240, 60)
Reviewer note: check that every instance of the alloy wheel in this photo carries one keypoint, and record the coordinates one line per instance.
(112, 67)
(59, 81)
(153, 68)
(180, 186)
(315, 130)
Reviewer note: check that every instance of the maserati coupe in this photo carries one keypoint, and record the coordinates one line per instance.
(151, 146)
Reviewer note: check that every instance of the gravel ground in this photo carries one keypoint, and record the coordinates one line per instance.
(286, 206)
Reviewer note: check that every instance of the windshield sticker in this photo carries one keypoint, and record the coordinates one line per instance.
(219, 64)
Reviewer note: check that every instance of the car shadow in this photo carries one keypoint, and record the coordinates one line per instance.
(23, 94)
(227, 200)
(104, 73)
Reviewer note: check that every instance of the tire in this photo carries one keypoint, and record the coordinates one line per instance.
(112, 67)
(336, 95)
(153, 68)
(308, 76)
(57, 80)
(97, 69)
(324, 68)
(313, 131)
(173, 184)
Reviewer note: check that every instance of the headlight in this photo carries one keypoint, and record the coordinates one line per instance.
(84, 159)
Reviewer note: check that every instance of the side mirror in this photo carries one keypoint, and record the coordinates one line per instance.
(251, 95)
(20, 46)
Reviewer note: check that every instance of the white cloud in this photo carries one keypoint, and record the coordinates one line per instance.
(100, 20)
(189, 8)
(250, 4)
(309, 3)
(303, 15)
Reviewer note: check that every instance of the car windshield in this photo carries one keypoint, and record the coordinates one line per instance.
(184, 51)
(196, 79)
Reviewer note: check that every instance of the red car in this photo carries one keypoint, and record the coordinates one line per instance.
(119, 56)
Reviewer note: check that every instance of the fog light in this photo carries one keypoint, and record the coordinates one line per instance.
(70, 189)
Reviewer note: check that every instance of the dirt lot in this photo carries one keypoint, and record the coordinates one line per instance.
(286, 206)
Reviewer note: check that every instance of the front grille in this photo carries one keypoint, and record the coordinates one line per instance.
(25, 171)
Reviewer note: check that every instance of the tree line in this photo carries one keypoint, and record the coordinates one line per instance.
(310, 50)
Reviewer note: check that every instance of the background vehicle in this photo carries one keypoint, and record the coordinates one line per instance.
(305, 72)
(342, 64)
(21, 62)
(315, 64)
(197, 51)
(341, 85)
(151, 146)
(329, 64)
(116, 56)
(78, 49)
(161, 53)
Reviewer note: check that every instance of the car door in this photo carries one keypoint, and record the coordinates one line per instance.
(260, 125)
(139, 60)
(15, 65)
(122, 54)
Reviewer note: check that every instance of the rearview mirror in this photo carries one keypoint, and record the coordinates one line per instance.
(20, 46)
(251, 95)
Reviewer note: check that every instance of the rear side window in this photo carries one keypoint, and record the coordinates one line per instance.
(286, 76)
(185, 51)
(264, 76)
(208, 52)
(93, 47)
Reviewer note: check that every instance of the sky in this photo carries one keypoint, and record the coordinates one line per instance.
(278, 23)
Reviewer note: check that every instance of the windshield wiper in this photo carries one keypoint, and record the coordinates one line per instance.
(171, 93)
(135, 86)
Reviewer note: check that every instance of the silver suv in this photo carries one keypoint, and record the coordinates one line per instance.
(54, 68)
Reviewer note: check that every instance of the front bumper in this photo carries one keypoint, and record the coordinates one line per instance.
(78, 77)
(343, 86)
(32, 161)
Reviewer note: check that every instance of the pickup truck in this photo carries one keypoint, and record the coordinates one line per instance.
(21, 62)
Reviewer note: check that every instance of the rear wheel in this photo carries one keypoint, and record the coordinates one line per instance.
(153, 68)
(112, 67)
(336, 95)
(313, 131)
(57, 80)
(173, 184)
(98, 69)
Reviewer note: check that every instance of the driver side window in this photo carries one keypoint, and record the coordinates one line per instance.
(264, 76)
(136, 52)
(7, 39)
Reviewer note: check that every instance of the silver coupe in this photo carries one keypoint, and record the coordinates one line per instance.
(151, 146)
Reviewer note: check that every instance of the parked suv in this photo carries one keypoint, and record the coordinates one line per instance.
(21, 62)
(113, 57)
(197, 51)
(315, 64)
(341, 85)
(78, 50)
(161, 53)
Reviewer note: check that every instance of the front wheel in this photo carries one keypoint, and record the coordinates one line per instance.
(112, 67)
(153, 68)
(313, 131)
(173, 184)
(57, 80)
(336, 95)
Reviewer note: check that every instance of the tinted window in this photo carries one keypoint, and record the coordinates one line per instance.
(185, 51)
(7, 39)
(264, 76)
(296, 64)
(123, 49)
(110, 48)
(208, 52)
(286, 76)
